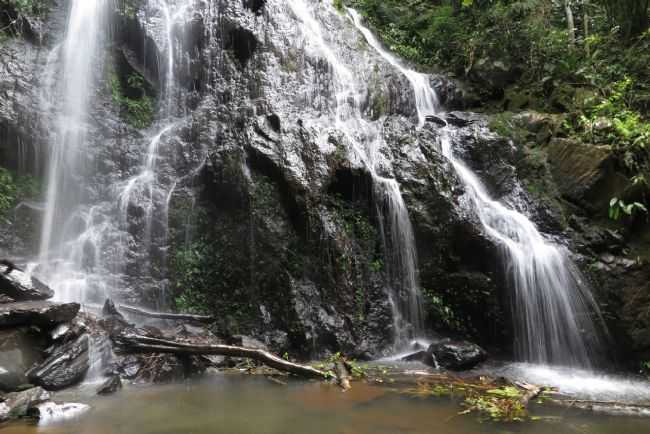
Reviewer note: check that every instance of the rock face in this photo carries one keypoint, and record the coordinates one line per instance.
(41, 313)
(19, 286)
(265, 212)
(67, 365)
(457, 355)
(586, 174)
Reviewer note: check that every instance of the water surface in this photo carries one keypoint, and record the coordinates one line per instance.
(254, 405)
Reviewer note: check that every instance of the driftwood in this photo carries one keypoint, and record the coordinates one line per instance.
(585, 404)
(139, 343)
(529, 391)
(342, 375)
(164, 315)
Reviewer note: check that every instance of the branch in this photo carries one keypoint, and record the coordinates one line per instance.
(163, 315)
(145, 344)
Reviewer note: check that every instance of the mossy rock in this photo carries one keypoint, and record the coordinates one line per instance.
(586, 174)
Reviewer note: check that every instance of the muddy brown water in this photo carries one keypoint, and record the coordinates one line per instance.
(252, 405)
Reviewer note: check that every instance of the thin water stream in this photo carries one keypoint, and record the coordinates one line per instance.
(365, 140)
(552, 304)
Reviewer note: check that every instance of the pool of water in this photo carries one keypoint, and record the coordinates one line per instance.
(234, 404)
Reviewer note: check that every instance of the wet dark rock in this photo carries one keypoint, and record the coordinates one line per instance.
(243, 44)
(461, 119)
(19, 404)
(255, 5)
(19, 286)
(20, 348)
(457, 355)
(452, 94)
(126, 366)
(66, 366)
(112, 320)
(40, 313)
(436, 120)
(423, 356)
(110, 386)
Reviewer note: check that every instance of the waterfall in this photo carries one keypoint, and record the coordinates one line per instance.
(74, 60)
(551, 304)
(365, 139)
(87, 234)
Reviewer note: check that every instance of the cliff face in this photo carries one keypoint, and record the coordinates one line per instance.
(263, 209)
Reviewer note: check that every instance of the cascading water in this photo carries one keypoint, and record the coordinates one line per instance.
(146, 189)
(87, 238)
(552, 305)
(65, 234)
(365, 139)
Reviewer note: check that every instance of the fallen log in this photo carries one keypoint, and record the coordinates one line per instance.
(139, 343)
(165, 315)
(591, 405)
(342, 375)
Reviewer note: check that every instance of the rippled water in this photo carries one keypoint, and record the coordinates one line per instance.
(245, 405)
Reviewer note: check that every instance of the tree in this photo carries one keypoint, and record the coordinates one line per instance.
(630, 15)
(570, 23)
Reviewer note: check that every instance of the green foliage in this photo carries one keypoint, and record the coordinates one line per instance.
(630, 16)
(14, 188)
(497, 405)
(618, 208)
(338, 4)
(193, 277)
(128, 8)
(13, 12)
(138, 109)
(645, 368)
(28, 7)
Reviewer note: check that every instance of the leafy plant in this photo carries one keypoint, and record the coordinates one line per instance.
(497, 405)
(14, 188)
(138, 109)
(618, 208)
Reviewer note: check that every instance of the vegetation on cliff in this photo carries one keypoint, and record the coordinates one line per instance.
(584, 59)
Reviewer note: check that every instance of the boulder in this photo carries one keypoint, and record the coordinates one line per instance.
(49, 411)
(457, 355)
(110, 386)
(20, 348)
(112, 320)
(20, 286)
(66, 366)
(39, 313)
(586, 174)
(422, 356)
(19, 404)
(494, 75)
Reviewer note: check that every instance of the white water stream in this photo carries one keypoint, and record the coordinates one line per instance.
(365, 138)
(551, 302)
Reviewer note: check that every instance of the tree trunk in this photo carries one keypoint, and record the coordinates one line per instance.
(585, 26)
(164, 315)
(570, 23)
(137, 343)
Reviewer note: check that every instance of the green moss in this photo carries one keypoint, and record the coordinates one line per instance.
(14, 188)
(128, 8)
(138, 110)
